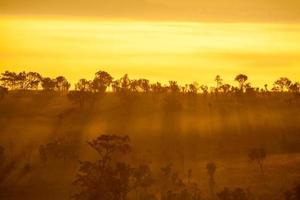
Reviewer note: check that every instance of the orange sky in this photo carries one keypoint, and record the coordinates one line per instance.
(156, 39)
(167, 10)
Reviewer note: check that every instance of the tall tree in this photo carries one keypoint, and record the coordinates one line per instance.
(282, 84)
(101, 81)
(61, 84)
(83, 85)
(107, 178)
(33, 80)
(157, 88)
(144, 84)
(9, 79)
(204, 89)
(219, 82)
(193, 88)
(294, 87)
(241, 79)
(174, 87)
(48, 84)
(21, 81)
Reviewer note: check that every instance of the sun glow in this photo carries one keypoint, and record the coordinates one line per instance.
(183, 51)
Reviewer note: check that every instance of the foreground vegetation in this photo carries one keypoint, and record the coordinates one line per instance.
(130, 139)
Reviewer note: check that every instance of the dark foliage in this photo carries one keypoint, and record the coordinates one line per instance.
(293, 194)
(234, 194)
(106, 179)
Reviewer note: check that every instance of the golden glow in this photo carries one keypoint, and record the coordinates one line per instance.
(183, 51)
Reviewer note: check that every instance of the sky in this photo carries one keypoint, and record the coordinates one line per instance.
(161, 40)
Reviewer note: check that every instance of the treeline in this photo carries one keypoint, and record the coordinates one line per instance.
(104, 82)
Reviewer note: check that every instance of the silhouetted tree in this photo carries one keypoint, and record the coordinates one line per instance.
(48, 84)
(157, 88)
(81, 98)
(144, 85)
(143, 176)
(211, 169)
(101, 81)
(140, 85)
(57, 150)
(193, 88)
(134, 86)
(84, 85)
(9, 79)
(21, 81)
(282, 84)
(258, 155)
(219, 82)
(142, 179)
(204, 89)
(116, 86)
(123, 85)
(225, 88)
(174, 87)
(83, 93)
(170, 182)
(105, 179)
(174, 188)
(241, 78)
(294, 87)
(32, 81)
(249, 89)
(61, 84)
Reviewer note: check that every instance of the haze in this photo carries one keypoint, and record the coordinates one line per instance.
(156, 39)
